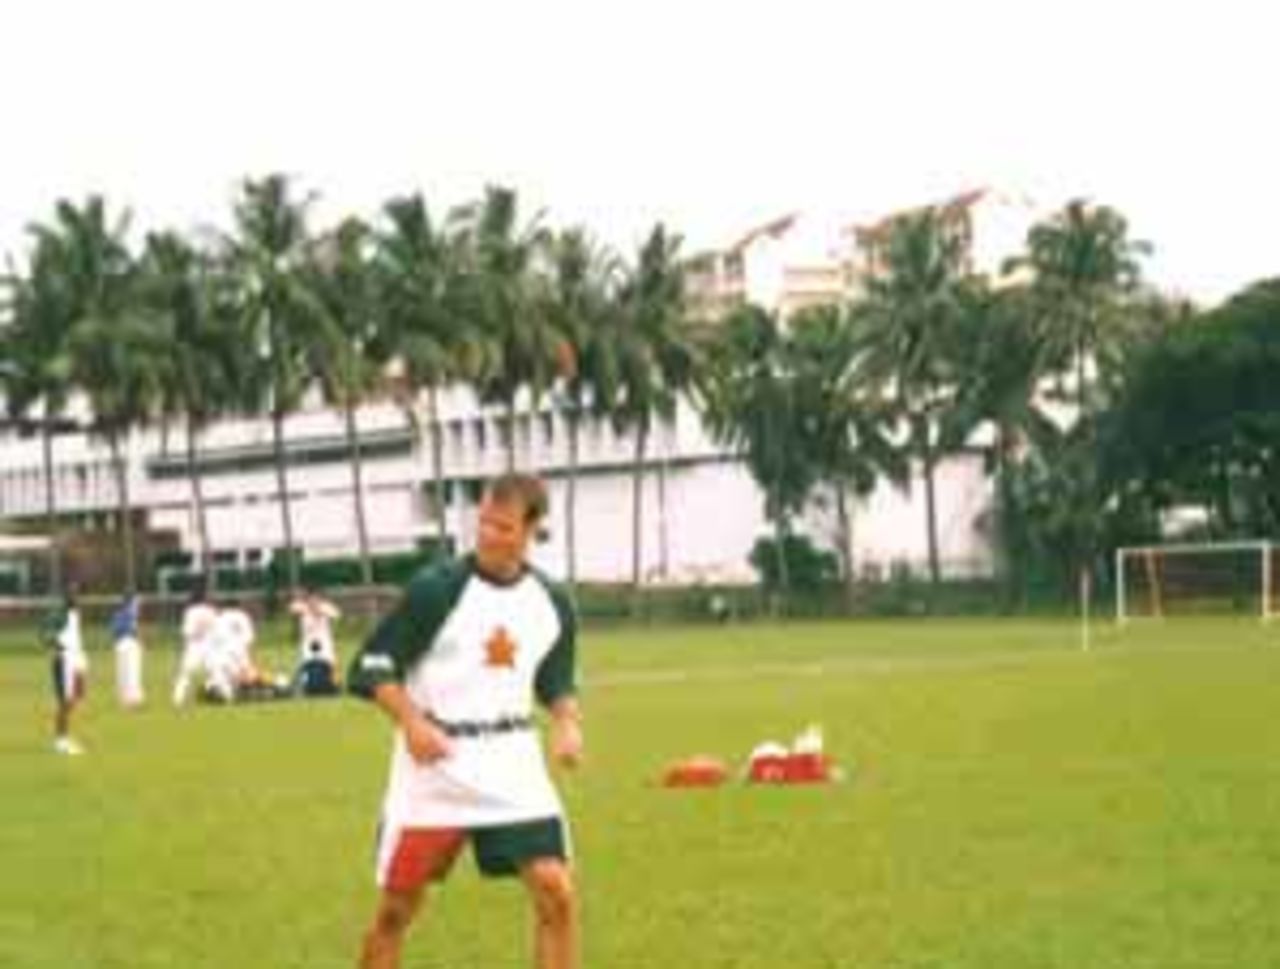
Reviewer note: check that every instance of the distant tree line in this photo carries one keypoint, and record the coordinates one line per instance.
(1098, 403)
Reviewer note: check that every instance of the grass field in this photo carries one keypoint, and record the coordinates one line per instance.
(1013, 802)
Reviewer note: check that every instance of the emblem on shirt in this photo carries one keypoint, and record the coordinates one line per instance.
(500, 649)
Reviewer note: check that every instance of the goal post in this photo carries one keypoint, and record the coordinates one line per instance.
(1195, 578)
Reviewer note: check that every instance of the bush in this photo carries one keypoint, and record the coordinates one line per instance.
(808, 568)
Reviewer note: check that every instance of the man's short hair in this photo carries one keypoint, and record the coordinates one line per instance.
(525, 489)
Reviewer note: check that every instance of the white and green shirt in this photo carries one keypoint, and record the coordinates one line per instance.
(62, 630)
(474, 654)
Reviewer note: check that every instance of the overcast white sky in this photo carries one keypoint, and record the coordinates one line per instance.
(710, 115)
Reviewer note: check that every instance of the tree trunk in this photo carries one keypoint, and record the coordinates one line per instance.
(931, 510)
(511, 434)
(664, 558)
(202, 517)
(126, 512)
(571, 500)
(777, 508)
(845, 528)
(50, 508)
(437, 469)
(1086, 604)
(637, 513)
(1226, 517)
(282, 489)
(357, 493)
(780, 560)
(1015, 584)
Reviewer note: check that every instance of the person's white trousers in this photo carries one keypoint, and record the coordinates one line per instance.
(194, 657)
(129, 671)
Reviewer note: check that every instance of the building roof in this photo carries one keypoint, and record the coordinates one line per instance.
(879, 230)
(774, 229)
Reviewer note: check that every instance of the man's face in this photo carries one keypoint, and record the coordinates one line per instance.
(503, 536)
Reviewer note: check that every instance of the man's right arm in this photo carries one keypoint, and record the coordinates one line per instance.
(426, 741)
(378, 671)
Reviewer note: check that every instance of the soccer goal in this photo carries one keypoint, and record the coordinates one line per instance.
(1196, 578)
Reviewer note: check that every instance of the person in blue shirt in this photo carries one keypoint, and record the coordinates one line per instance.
(128, 647)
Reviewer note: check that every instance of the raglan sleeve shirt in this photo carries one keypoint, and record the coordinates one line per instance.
(406, 634)
(556, 677)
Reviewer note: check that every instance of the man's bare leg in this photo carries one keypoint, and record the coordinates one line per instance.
(385, 938)
(555, 909)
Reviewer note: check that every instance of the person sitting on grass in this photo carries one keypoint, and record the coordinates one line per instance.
(234, 673)
(316, 676)
(315, 615)
(198, 621)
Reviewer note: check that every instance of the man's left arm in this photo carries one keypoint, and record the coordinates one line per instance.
(566, 731)
(556, 686)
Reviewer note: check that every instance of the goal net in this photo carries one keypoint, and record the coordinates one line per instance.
(1203, 578)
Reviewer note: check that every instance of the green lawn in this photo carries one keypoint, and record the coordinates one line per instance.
(1012, 802)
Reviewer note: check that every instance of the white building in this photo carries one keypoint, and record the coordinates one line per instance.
(805, 259)
(794, 262)
(701, 511)
(992, 225)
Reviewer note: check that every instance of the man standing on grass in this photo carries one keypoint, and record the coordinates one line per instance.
(128, 646)
(70, 666)
(456, 667)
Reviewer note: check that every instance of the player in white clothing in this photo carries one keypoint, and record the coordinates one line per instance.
(457, 667)
(316, 616)
(317, 669)
(198, 645)
(70, 668)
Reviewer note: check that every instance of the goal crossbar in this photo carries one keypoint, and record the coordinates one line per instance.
(1264, 549)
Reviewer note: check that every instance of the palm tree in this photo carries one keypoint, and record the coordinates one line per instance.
(348, 359)
(268, 249)
(582, 307)
(503, 270)
(657, 360)
(846, 422)
(910, 319)
(39, 375)
(193, 294)
(428, 333)
(117, 363)
(1085, 273)
(113, 344)
(1001, 360)
(751, 402)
